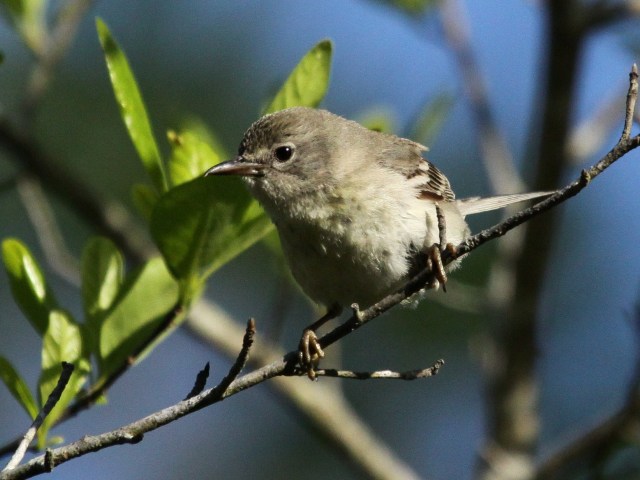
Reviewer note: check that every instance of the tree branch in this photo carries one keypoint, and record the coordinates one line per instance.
(100, 388)
(620, 428)
(513, 421)
(52, 400)
(383, 374)
(109, 218)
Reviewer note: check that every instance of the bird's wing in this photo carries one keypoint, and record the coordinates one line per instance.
(471, 205)
(405, 156)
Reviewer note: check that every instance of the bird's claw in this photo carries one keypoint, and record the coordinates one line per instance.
(310, 352)
(434, 261)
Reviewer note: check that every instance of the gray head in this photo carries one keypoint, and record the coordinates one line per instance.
(289, 152)
(295, 141)
(299, 150)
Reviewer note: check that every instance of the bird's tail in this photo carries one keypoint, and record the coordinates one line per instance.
(471, 205)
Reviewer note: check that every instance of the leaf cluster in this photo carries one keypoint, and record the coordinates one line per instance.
(198, 224)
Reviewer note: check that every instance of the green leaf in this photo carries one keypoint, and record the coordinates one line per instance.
(201, 225)
(432, 117)
(190, 157)
(28, 286)
(28, 17)
(145, 299)
(307, 84)
(62, 342)
(102, 276)
(378, 121)
(144, 198)
(202, 131)
(17, 387)
(132, 107)
(413, 7)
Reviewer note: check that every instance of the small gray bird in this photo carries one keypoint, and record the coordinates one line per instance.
(355, 209)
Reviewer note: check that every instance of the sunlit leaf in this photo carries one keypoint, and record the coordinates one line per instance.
(28, 285)
(145, 298)
(62, 342)
(132, 107)
(308, 82)
(201, 225)
(18, 388)
(201, 130)
(102, 276)
(190, 157)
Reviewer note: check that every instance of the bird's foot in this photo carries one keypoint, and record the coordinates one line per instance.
(309, 352)
(434, 261)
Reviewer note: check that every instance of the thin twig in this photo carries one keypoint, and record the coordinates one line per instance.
(52, 400)
(200, 383)
(99, 389)
(383, 374)
(319, 406)
(632, 96)
(241, 360)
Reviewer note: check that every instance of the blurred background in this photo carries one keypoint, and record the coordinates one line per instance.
(219, 62)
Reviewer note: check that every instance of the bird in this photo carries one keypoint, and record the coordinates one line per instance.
(356, 210)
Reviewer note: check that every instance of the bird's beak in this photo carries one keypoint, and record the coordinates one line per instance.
(237, 166)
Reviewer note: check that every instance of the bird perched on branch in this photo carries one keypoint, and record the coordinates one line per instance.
(356, 210)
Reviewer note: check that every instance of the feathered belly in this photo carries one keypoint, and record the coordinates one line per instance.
(346, 264)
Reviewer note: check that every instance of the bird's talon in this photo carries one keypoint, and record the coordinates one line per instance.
(435, 262)
(310, 353)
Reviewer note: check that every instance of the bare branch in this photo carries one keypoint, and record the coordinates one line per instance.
(52, 400)
(632, 96)
(109, 218)
(200, 383)
(513, 417)
(97, 390)
(383, 374)
(241, 360)
(604, 12)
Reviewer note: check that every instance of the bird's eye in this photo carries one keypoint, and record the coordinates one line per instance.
(284, 153)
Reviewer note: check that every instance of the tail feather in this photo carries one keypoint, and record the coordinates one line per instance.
(472, 205)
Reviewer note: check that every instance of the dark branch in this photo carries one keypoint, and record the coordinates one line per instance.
(52, 400)
(241, 360)
(200, 383)
(383, 374)
(96, 391)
